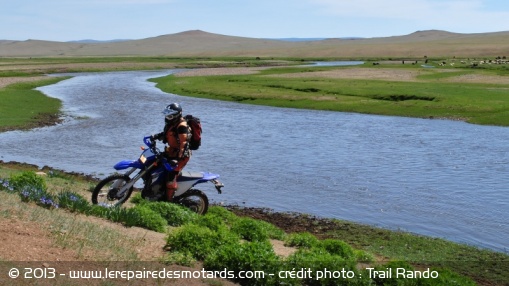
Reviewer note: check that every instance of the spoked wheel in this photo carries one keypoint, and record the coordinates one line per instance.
(107, 192)
(195, 200)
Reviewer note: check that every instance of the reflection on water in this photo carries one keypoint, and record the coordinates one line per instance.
(434, 177)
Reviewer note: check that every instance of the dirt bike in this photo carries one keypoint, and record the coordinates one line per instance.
(153, 168)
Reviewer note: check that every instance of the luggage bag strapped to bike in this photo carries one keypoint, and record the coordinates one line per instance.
(194, 123)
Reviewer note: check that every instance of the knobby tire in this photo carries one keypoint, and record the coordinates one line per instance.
(188, 200)
(100, 193)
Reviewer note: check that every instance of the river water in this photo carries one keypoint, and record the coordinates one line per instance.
(440, 178)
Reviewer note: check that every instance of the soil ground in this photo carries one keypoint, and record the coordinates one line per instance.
(29, 242)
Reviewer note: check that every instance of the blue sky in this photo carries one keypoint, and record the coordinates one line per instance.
(66, 20)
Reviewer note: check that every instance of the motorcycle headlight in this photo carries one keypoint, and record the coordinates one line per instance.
(143, 159)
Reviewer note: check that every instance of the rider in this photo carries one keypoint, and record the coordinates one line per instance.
(177, 134)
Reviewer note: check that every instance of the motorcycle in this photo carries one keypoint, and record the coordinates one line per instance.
(153, 168)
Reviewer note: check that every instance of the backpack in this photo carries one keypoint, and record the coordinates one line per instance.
(194, 123)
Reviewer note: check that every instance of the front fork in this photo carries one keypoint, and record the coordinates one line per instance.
(117, 183)
(131, 183)
(130, 171)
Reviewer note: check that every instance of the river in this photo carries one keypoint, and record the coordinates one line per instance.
(440, 178)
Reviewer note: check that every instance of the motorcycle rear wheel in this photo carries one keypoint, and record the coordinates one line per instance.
(195, 200)
(106, 191)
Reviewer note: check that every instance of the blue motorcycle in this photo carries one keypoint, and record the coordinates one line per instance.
(153, 168)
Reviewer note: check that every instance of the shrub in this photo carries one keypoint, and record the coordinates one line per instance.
(137, 199)
(198, 240)
(143, 216)
(225, 215)
(116, 214)
(363, 256)
(31, 188)
(249, 256)
(302, 239)
(27, 179)
(133, 217)
(211, 221)
(273, 231)
(337, 247)
(256, 230)
(225, 236)
(250, 229)
(175, 215)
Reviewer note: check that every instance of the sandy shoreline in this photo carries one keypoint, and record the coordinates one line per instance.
(394, 74)
(5, 81)
(389, 74)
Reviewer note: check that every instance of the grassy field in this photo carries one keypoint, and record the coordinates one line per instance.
(23, 107)
(16, 67)
(428, 93)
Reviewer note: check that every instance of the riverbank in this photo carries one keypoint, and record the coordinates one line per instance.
(485, 267)
(24, 108)
(456, 92)
(460, 90)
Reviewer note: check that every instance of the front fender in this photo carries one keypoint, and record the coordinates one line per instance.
(128, 164)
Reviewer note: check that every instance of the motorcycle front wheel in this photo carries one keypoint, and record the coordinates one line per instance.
(195, 200)
(106, 193)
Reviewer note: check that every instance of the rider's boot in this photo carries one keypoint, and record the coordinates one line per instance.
(171, 187)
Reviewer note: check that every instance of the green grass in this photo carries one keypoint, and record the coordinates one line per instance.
(46, 65)
(426, 251)
(217, 238)
(23, 107)
(428, 97)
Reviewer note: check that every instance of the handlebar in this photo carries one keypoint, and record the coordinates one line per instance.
(151, 143)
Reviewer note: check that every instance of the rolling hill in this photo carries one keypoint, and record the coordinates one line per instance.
(431, 43)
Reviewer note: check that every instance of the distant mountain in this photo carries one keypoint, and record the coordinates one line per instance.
(297, 39)
(90, 41)
(312, 39)
(197, 43)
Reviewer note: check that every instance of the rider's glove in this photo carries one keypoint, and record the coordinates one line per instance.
(158, 136)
